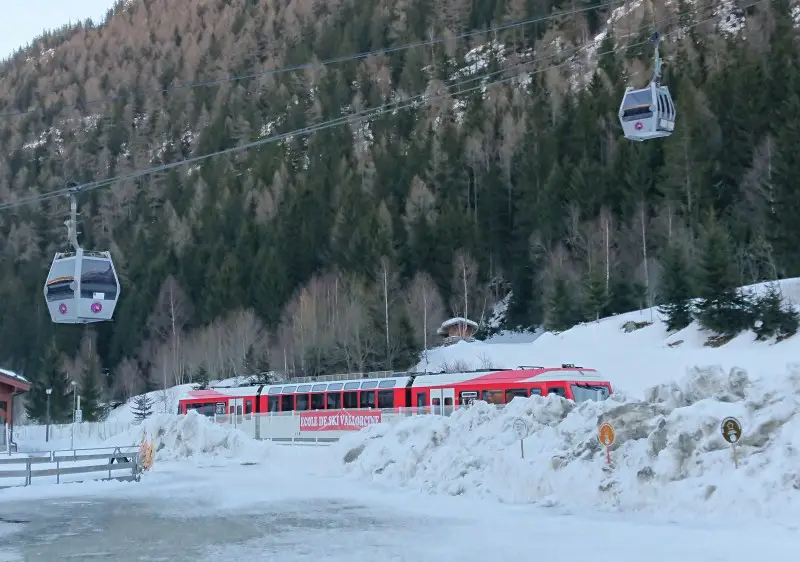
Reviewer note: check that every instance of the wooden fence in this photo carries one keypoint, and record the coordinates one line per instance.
(121, 463)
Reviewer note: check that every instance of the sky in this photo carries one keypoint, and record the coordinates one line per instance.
(25, 19)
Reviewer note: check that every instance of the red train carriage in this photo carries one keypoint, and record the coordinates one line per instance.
(441, 392)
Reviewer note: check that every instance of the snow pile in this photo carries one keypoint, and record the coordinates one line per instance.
(178, 437)
(669, 453)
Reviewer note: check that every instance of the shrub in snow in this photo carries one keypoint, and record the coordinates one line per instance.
(668, 454)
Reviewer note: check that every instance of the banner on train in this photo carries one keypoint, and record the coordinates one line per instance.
(338, 420)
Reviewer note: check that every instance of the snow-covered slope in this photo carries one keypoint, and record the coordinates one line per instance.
(633, 361)
(669, 453)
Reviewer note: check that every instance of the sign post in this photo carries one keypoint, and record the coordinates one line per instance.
(605, 434)
(522, 431)
(731, 430)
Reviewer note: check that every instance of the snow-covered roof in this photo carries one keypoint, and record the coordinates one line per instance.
(14, 376)
(455, 321)
(459, 320)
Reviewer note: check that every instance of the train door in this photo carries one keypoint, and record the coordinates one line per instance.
(236, 407)
(442, 401)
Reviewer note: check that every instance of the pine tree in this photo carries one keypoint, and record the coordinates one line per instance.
(595, 298)
(201, 377)
(723, 309)
(773, 317)
(91, 397)
(50, 375)
(676, 288)
(562, 311)
(142, 407)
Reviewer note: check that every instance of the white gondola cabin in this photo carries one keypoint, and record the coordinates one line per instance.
(648, 113)
(82, 287)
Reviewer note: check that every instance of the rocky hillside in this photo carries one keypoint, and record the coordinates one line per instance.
(462, 169)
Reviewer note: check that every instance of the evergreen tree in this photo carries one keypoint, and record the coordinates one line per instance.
(773, 317)
(142, 407)
(201, 377)
(676, 288)
(50, 375)
(595, 298)
(91, 396)
(723, 309)
(562, 310)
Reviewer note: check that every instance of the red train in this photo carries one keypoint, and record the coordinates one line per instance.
(441, 392)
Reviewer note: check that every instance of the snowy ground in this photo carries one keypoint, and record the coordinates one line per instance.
(295, 508)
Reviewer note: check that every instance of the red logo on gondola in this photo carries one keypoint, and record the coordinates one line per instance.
(62, 308)
(638, 126)
(96, 307)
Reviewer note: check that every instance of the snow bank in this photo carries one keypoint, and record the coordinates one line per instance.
(179, 437)
(668, 455)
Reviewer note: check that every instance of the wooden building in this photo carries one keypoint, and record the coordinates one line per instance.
(457, 329)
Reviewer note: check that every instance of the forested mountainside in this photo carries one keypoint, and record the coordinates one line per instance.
(344, 249)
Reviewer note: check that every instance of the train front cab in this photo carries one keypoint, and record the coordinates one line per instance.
(442, 401)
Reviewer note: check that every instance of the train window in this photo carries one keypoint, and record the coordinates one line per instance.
(367, 385)
(334, 386)
(512, 393)
(248, 407)
(301, 401)
(319, 388)
(220, 407)
(367, 399)
(288, 389)
(304, 388)
(422, 400)
(275, 390)
(536, 392)
(467, 396)
(558, 390)
(492, 396)
(350, 399)
(448, 401)
(387, 384)
(287, 402)
(386, 399)
(318, 401)
(208, 409)
(583, 392)
(352, 385)
(274, 404)
(435, 402)
(334, 400)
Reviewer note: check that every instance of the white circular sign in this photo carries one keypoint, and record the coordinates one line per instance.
(520, 428)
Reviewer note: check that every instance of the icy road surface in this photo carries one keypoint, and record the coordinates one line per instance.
(287, 510)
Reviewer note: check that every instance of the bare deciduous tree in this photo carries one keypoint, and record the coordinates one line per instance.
(128, 381)
(167, 321)
(425, 309)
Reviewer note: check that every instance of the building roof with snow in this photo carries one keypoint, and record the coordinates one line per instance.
(444, 329)
(15, 377)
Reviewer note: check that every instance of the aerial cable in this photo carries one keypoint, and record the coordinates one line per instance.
(567, 52)
(368, 113)
(338, 60)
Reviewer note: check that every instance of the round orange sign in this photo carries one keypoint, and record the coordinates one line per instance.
(605, 434)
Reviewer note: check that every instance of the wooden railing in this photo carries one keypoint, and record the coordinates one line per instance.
(121, 463)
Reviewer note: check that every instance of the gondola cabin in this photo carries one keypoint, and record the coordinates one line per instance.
(647, 113)
(82, 287)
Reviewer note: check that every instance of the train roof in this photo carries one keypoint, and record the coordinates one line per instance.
(400, 380)
(523, 374)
